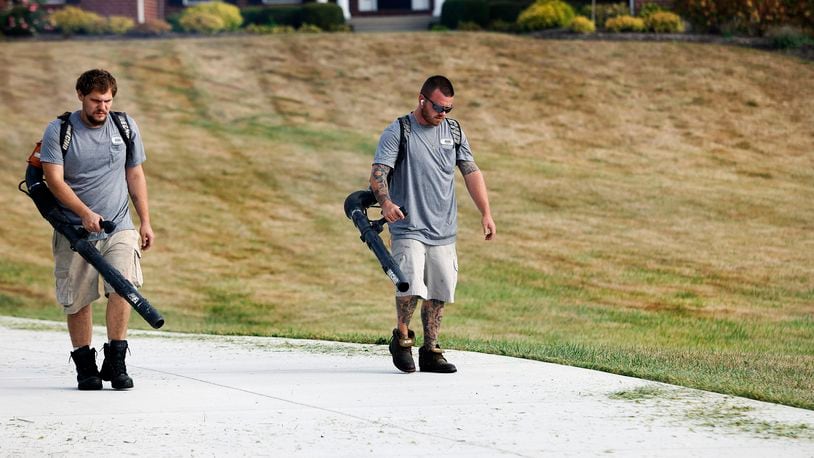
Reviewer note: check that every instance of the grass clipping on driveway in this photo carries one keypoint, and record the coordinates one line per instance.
(654, 201)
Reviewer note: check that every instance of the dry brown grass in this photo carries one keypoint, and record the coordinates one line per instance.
(626, 178)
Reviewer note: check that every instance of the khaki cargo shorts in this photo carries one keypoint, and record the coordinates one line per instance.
(432, 270)
(77, 281)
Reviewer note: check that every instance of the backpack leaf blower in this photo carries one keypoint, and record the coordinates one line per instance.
(49, 208)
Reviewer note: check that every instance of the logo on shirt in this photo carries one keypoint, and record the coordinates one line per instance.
(118, 141)
(446, 141)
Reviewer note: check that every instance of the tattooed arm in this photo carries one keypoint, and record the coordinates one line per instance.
(476, 186)
(378, 184)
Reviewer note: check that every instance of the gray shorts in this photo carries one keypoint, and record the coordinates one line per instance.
(432, 270)
(78, 282)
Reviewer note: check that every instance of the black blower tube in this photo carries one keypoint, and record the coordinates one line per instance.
(355, 205)
(49, 209)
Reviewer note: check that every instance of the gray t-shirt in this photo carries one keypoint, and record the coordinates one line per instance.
(94, 168)
(424, 182)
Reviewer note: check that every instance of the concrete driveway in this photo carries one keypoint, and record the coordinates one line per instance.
(198, 395)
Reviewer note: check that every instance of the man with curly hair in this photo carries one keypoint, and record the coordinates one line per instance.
(93, 173)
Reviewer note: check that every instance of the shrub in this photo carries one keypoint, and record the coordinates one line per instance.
(277, 29)
(23, 17)
(309, 28)
(546, 14)
(174, 20)
(625, 24)
(606, 11)
(259, 29)
(582, 24)
(664, 22)
(506, 10)
(649, 9)
(438, 28)
(454, 12)
(326, 16)
(152, 27)
(752, 17)
(788, 37)
(228, 14)
(119, 25)
(276, 15)
(201, 22)
(71, 20)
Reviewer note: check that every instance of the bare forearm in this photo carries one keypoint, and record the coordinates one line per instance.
(476, 186)
(137, 187)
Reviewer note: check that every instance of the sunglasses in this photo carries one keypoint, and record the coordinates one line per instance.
(438, 108)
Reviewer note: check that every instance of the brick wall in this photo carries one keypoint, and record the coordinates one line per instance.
(110, 7)
(153, 9)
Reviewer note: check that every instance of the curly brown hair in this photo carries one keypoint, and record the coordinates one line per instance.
(96, 79)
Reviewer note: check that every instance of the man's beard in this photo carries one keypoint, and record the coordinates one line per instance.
(94, 122)
(430, 115)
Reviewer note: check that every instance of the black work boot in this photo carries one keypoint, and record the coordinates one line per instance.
(402, 350)
(86, 373)
(432, 360)
(113, 367)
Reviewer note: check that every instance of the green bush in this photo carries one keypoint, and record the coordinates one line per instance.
(23, 18)
(275, 15)
(255, 15)
(71, 20)
(454, 12)
(648, 9)
(663, 22)
(625, 24)
(506, 10)
(788, 37)
(229, 14)
(201, 22)
(546, 14)
(119, 25)
(326, 16)
(606, 11)
(582, 24)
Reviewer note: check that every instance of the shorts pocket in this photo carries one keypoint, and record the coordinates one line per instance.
(64, 288)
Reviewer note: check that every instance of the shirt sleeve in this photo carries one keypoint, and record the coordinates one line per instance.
(50, 152)
(138, 155)
(464, 153)
(388, 149)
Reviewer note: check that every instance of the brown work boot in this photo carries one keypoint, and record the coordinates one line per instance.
(432, 360)
(402, 351)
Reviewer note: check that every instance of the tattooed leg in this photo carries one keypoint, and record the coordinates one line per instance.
(405, 306)
(431, 313)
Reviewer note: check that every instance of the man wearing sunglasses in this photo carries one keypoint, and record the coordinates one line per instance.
(419, 175)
